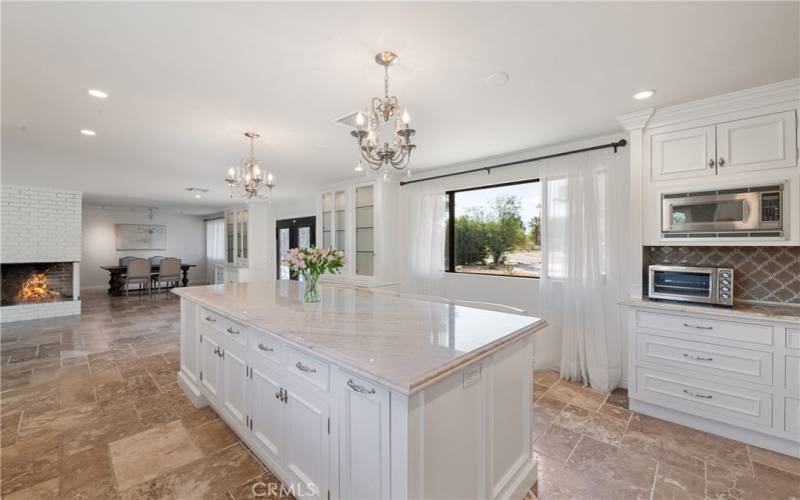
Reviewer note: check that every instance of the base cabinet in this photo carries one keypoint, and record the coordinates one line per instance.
(719, 373)
(327, 432)
(364, 458)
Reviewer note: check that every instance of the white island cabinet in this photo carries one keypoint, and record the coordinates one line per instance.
(363, 395)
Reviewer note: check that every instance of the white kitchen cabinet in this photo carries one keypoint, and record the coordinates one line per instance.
(210, 363)
(684, 153)
(266, 410)
(306, 428)
(758, 143)
(236, 237)
(714, 370)
(750, 144)
(234, 382)
(364, 454)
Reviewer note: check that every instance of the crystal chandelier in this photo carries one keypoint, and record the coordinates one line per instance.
(387, 146)
(246, 180)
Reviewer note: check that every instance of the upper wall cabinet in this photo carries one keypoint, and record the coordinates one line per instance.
(750, 144)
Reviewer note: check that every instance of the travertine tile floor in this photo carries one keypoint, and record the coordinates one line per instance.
(90, 409)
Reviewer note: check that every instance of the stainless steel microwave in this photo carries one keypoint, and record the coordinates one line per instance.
(705, 285)
(753, 211)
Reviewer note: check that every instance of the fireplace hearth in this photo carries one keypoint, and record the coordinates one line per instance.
(36, 283)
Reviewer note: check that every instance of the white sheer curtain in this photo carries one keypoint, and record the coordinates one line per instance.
(580, 281)
(427, 226)
(215, 246)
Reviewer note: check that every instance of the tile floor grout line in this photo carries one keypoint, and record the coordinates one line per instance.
(655, 478)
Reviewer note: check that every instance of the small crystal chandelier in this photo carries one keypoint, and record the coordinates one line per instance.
(394, 150)
(246, 180)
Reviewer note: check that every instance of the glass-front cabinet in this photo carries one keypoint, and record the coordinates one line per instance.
(365, 227)
(236, 236)
(348, 224)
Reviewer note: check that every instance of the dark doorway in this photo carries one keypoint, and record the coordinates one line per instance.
(293, 233)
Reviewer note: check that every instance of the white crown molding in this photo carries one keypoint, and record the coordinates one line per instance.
(787, 91)
(637, 119)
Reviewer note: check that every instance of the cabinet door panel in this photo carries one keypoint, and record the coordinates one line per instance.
(364, 459)
(267, 410)
(758, 143)
(683, 153)
(306, 455)
(210, 364)
(234, 380)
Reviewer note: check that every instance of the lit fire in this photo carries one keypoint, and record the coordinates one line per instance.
(37, 290)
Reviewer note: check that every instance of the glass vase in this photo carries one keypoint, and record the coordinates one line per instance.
(310, 291)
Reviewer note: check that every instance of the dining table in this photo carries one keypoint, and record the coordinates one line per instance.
(116, 272)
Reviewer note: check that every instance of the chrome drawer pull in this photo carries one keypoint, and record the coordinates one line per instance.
(265, 348)
(359, 388)
(210, 319)
(303, 368)
(231, 330)
(698, 358)
(699, 327)
(704, 396)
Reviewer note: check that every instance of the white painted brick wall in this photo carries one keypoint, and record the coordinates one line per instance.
(22, 312)
(40, 225)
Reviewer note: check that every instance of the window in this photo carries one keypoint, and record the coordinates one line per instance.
(495, 230)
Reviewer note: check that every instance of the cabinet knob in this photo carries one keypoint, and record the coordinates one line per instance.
(721, 162)
(711, 163)
(359, 388)
(265, 348)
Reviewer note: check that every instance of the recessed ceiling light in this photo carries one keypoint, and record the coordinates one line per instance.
(198, 196)
(496, 79)
(644, 94)
(86, 131)
(98, 93)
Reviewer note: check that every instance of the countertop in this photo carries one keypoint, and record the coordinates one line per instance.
(787, 313)
(404, 344)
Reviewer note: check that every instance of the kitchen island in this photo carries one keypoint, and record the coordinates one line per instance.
(366, 395)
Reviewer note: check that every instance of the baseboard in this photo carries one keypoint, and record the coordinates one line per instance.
(522, 482)
(774, 443)
(191, 390)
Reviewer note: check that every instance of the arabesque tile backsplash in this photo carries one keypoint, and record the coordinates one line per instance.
(763, 274)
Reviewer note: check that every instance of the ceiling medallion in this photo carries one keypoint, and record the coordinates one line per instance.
(387, 146)
(246, 180)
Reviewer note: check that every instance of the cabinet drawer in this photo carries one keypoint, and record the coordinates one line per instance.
(728, 362)
(308, 368)
(266, 346)
(793, 338)
(792, 365)
(718, 329)
(703, 398)
(228, 328)
(791, 415)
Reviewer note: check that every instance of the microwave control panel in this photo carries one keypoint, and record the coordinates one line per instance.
(771, 207)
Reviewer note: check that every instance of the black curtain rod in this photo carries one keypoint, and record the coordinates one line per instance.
(214, 218)
(619, 144)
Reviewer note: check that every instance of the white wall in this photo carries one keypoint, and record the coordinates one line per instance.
(185, 240)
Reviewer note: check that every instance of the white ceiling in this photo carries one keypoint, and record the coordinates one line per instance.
(186, 79)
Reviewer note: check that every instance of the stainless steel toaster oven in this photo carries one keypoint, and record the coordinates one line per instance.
(705, 285)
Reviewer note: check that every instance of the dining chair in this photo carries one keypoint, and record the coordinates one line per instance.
(156, 259)
(138, 273)
(123, 261)
(490, 306)
(169, 271)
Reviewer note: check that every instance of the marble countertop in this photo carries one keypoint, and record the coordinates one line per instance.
(404, 344)
(788, 313)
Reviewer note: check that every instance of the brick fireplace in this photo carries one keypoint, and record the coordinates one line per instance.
(40, 254)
